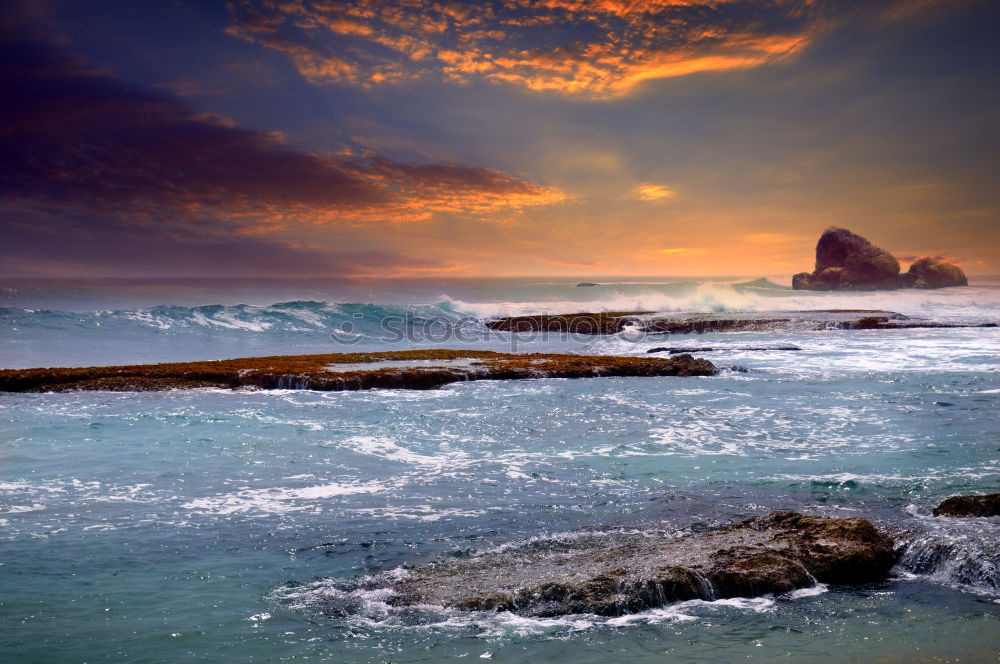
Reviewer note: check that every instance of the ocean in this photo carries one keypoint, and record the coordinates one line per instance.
(217, 525)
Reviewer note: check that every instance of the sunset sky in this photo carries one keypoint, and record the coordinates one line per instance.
(515, 137)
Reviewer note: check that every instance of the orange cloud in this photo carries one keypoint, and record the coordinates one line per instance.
(683, 251)
(598, 48)
(654, 192)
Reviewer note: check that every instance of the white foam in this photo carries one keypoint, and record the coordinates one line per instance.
(420, 512)
(21, 509)
(812, 591)
(228, 320)
(387, 448)
(279, 500)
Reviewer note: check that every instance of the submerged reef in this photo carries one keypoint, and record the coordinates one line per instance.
(847, 261)
(620, 573)
(413, 369)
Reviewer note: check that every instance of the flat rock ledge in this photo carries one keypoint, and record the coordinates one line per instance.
(644, 322)
(988, 505)
(616, 574)
(417, 369)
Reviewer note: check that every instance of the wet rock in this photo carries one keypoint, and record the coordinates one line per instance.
(640, 322)
(988, 505)
(707, 349)
(605, 322)
(871, 323)
(614, 574)
(707, 323)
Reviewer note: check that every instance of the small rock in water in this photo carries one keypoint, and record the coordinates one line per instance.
(625, 573)
(988, 505)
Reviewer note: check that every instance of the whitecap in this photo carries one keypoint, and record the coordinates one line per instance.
(279, 500)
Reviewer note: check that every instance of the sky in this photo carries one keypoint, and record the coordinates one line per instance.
(297, 138)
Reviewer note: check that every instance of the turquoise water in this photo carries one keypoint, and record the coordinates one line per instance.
(211, 525)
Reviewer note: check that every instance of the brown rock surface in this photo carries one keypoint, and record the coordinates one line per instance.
(624, 573)
(933, 273)
(847, 261)
(415, 369)
(988, 505)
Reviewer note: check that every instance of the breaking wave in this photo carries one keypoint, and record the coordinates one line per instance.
(310, 316)
(956, 552)
(298, 317)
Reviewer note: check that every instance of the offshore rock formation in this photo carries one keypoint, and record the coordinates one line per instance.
(988, 505)
(847, 261)
(624, 573)
(932, 273)
(416, 369)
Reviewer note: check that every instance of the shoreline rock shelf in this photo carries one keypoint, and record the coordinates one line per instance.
(415, 369)
(628, 572)
(645, 322)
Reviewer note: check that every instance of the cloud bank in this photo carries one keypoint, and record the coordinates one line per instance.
(87, 158)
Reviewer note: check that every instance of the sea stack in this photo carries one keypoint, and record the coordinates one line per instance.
(847, 261)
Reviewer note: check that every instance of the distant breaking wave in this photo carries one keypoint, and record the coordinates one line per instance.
(974, 303)
(308, 317)
(283, 318)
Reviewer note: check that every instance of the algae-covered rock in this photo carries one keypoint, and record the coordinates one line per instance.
(412, 369)
(618, 573)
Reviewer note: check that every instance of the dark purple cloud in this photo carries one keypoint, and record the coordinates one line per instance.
(91, 166)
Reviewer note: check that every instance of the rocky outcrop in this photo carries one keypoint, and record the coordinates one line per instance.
(624, 573)
(417, 369)
(847, 261)
(988, 505)
(933, 273)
